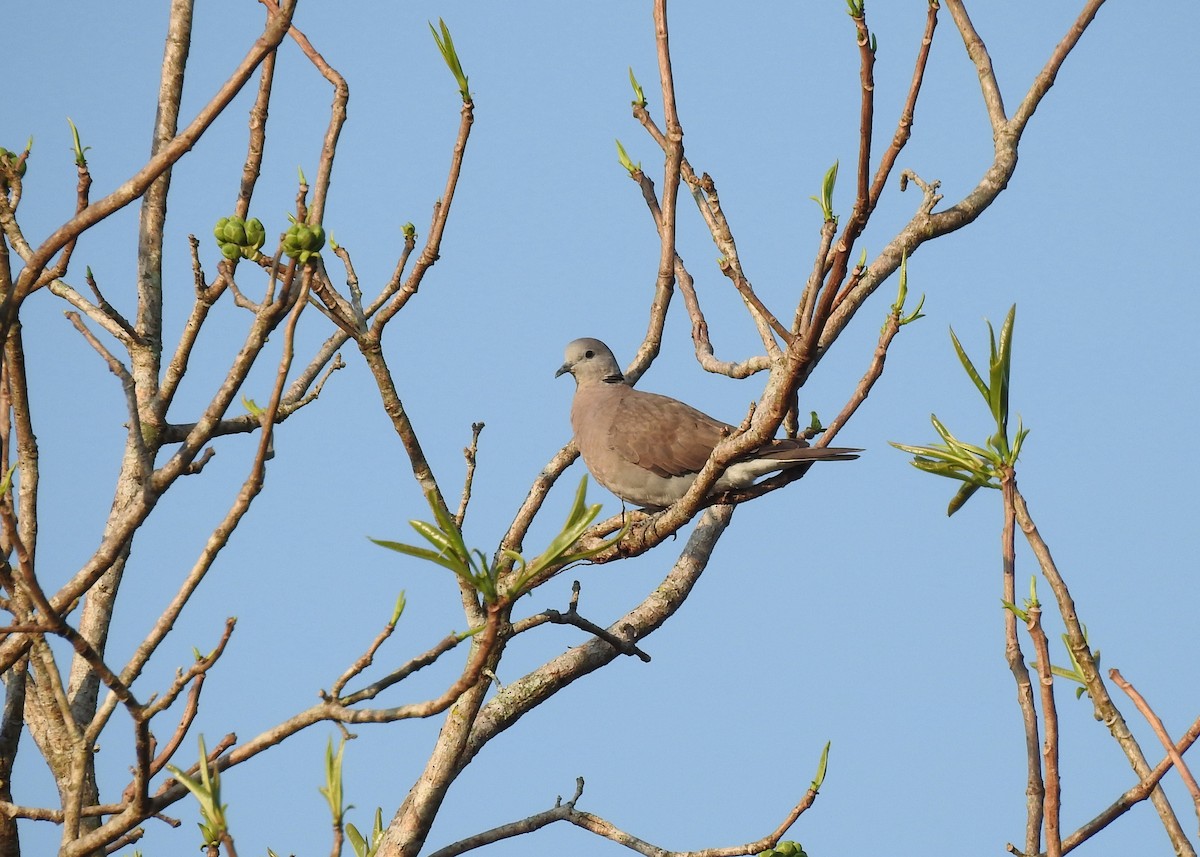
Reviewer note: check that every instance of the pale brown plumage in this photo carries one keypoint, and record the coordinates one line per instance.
(647, 448)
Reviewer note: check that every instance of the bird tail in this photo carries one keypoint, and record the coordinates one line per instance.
(794, 450)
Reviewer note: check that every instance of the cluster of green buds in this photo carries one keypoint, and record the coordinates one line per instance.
(12, 165)
(786, 848)
(239, 238)
(301, 242)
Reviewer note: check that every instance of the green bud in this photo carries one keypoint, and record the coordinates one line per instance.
(235, 231)
(256, 233)
(301, 241)
(231, 251)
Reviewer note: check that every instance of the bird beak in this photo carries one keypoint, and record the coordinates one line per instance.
(563, 370)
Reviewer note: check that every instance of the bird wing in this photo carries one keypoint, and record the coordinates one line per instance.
(663, 435)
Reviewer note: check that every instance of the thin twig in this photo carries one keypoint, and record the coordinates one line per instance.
(1161, 731)
(1134, 795)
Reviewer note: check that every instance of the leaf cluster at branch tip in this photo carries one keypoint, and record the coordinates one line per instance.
(471, 566)
(450, 55)
(977, 466)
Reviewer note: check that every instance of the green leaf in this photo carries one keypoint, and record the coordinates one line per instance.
(960, 498)
(446, 46)
(80, 150)
(439, 538)
(356, 841)
(826, 198)
(448, 524)
(969, 366)
(822, 766)
(333, 781)
(626, 161)
(639, 97)
(419, 553)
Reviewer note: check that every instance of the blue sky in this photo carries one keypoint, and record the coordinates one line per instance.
(846, 608)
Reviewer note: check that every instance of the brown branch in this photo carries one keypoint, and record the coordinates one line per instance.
(1045, 79)
(1035, 786)
(101, 312)
(207, 297)
(673, 149)
(337, 118)
(977, 51)
(1133, 796)
(356, 305)
(482, 645)
(1053, 790)
(368, 657)
(180, 144)
(241, 504)
(469, 454)
(136, 438)
(59, 269)
(519, 697)
(1106, 709)
(572, 617)
(595, 824)
(433, 243)
(652, 342)
(257, 138)
(1161, 731)
(298, 396)
(516, 828)
(186, 718)
(808, 297)
(926, 225)
(907, 114)
(874, 371)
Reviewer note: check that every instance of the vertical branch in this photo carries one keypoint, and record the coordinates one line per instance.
(257, 142)
(1035, 788)
(23, 537)
(821, 301)
(148, 353)
(1052, 800)
(908, 113)
(11, 721)
(145, 349)
(978, 53)
(673, 149)
(207, 296)
(1106, 709)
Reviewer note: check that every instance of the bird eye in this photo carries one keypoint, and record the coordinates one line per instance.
(589, 354)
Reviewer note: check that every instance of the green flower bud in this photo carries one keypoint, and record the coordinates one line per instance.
(256, 233)
(235, 231)
(301, 242)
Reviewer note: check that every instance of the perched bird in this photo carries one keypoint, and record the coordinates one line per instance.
(647, 448)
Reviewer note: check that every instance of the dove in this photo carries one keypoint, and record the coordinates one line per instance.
(646, 448)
